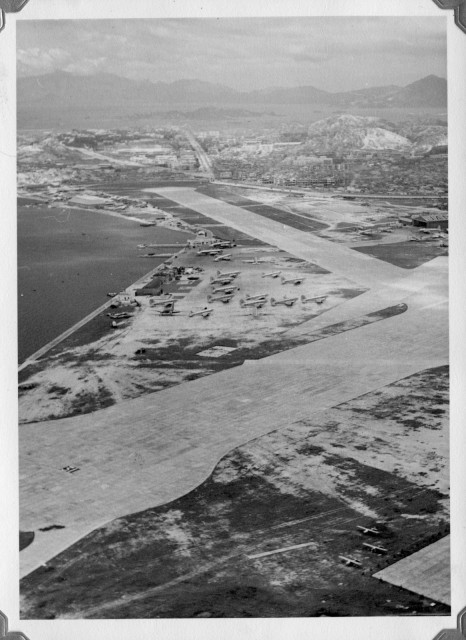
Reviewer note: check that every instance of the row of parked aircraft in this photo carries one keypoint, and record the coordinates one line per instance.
(223, 290)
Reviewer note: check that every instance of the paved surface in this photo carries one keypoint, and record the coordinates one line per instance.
(338, 258)
(153, 449)
(426, 572)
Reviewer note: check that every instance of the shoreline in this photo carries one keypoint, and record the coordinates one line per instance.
(36, 355)
(77, 325)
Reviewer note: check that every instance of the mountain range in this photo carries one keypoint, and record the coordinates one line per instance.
(66, 90)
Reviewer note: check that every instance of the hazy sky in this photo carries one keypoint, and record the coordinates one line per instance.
(335, 54)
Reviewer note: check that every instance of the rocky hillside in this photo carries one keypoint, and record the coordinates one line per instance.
(347, 132)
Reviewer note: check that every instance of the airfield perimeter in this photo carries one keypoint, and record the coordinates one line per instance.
(151, 450)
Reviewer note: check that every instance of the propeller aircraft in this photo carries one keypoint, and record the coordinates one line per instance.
(287, 302)
(292, 280)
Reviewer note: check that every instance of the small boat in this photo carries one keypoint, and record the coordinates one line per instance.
(112, 294)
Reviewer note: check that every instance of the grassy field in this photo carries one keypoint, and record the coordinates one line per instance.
(303, 223)
(408, 255)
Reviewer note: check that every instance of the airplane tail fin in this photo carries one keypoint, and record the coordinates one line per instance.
(303, 299)
(283, 279)
(273, 302)
(241, 303)
(209, 298)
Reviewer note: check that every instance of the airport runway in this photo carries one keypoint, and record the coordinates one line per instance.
(307, 246)
(147, 451)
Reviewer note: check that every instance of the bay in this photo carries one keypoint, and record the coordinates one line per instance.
(68, 260)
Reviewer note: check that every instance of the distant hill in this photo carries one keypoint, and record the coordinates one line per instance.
(430, 91)
(348, 132)
(62, 90)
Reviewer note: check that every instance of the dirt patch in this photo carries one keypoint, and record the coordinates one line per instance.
(95, 383)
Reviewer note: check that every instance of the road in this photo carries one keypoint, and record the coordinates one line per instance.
(201, 155)
(147, 451)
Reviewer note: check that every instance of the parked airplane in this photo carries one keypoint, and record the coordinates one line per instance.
(205, 313)
(168, 311)
(225, 298)
(292, 280)
(227, 289)
(223, 280)
(258, 304)
(368, 530)
(259, 296)
(287, 302)
(318, 299)
(272, 274)
(374, 548)
(209, 252)
(227, 257)
(350, 562)
(118, 316)
(223, 244)
(162, 302)
(232, 274)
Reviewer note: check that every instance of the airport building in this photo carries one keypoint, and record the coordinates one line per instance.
(431, 220)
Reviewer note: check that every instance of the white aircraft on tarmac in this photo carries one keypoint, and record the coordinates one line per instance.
(169, 310)
(259, 296)
(272, 274)
(287, 302)
(162, 301)
(205, 313)
(225, 298)
(375, 548)
(226, 256)
(257, 304)
(223, 244)
(232, 274)
(292, 280)
(209, 252)
(223, 280)
(119, 316)
(318, 299)
(230, 288)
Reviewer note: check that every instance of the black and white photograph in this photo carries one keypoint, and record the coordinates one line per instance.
(235, 304)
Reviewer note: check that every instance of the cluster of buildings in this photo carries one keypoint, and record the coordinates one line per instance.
(283, 158)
